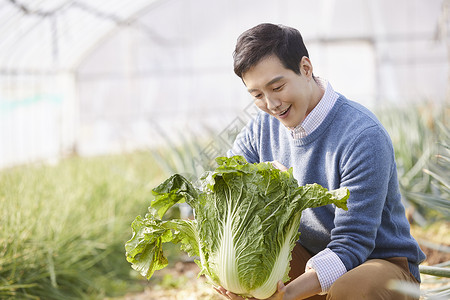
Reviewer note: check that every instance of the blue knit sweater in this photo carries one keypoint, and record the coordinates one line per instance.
(349, 149)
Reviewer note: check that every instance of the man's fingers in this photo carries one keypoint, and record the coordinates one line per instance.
(228, 295)
(281, 287)
(233, 296)
(221, 291)
(279, 165)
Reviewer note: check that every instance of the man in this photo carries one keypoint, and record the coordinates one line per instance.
(329, 140)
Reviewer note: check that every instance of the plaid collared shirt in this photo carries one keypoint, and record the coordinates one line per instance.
(318, 114)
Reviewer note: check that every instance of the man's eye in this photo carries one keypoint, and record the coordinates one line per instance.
(278, 88)
(258, 96)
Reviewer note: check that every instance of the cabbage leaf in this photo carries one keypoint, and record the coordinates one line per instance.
(246, 220)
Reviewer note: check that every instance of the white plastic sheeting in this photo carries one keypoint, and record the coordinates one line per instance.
(49, 35)
(41, 45)
(96, 77)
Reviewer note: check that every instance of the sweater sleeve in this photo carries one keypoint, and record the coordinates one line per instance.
(244, 143)
(366, 168)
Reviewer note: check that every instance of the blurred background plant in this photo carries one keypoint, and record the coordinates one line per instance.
(420, 134)
(63, 227)
(421, 138)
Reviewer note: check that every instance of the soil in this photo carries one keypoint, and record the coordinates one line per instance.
(180, 282)
(434, 257)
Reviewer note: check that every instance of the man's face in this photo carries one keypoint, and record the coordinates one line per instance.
(281, 92)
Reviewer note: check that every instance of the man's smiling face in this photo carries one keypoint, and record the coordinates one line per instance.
(281, 92)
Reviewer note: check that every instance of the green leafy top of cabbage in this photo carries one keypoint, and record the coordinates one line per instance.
(246, 220)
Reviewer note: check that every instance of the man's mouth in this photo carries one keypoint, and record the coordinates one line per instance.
(284, 112)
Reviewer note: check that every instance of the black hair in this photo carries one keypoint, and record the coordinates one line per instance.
(265, 40)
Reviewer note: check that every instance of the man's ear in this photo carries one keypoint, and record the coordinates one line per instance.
(306, 67)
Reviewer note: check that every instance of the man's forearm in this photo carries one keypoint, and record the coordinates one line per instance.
(304, 286)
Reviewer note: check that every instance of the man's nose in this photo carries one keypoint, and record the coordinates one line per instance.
(272, 102)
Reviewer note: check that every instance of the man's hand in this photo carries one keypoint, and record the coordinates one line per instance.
(279, 294)
(279, 165)
(229, 295)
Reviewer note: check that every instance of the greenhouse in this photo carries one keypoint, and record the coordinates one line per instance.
(102, 100)
(90, 77)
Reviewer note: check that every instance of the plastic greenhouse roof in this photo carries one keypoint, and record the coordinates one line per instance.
(50, 35)
(39, 36)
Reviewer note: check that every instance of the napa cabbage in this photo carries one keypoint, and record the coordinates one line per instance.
(246, 220)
